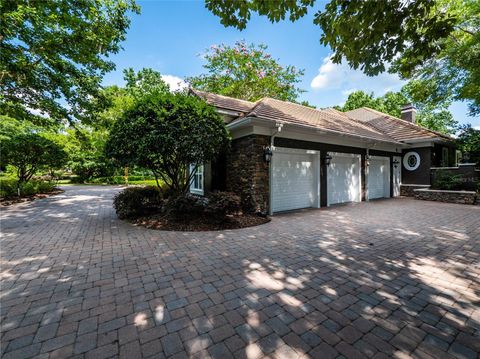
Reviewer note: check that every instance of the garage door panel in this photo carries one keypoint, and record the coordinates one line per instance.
(293, 181)
(343, 179)
(379, 178)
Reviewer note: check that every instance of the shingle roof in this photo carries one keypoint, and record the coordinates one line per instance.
(329, 119)
(397, 128)
(363, 122)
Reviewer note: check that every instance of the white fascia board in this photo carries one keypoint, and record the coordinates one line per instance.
(239, 123)
(223, 111)
(423, 142)
(419, 144)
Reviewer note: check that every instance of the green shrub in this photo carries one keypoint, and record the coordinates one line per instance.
(221, 204)
(45, 187)
(119, 179)
(28, 189)
(186, 206)
(216, 205)
(134, 202)
(447, 181)
(8, 187)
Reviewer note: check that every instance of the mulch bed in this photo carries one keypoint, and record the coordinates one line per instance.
(10, 201)
(199, 224)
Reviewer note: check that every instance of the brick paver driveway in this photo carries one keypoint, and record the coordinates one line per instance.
(393, 278)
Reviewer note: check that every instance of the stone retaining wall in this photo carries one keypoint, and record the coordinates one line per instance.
(462, 197)
(407, 190)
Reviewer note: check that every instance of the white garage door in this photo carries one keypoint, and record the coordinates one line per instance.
(294, 180)
(343, 178)
(378, 177)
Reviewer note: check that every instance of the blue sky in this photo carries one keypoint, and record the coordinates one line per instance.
(169, 36)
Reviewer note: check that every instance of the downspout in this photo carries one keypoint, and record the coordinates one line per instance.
(279, 126)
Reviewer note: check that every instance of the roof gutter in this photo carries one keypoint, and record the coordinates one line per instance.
(427, 139)
(263, 121)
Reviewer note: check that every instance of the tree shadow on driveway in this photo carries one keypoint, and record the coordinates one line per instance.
(391, 278)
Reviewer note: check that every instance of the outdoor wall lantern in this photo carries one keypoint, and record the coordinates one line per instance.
(267, 154)
(395, 163)
(367, 160)
(328, 159)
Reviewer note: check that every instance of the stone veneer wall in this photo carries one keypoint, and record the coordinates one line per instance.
(462, 197)
(247, 172)
(408, 190)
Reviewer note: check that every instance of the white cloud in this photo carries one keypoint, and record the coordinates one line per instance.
(175, 82)
(341, 77)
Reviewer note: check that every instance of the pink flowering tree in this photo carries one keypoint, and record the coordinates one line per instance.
(248, 72)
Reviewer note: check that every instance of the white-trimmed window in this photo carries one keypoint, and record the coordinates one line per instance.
(196, 186)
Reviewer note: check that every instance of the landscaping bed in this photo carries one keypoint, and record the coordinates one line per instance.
(154, 208)
(199, 224)
(29, 198)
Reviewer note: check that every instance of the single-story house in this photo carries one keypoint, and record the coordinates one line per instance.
(285, 156)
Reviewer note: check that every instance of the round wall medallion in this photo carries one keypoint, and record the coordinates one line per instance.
(411, 161)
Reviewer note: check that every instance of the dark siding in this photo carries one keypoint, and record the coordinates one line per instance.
(422, 174)
(323, 180)
(437, 155)
(322, 147)
(219, 174)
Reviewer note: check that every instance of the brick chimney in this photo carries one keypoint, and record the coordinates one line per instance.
(409, 112)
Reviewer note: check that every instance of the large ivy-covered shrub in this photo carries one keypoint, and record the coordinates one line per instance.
(134, 202)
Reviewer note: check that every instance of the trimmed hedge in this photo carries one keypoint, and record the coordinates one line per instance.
(216, 205)
(134, 202)
(186, 206)
(221, 204)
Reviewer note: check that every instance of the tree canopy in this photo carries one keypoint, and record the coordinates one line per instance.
(435, 41)
(166, 133)
(433, 116)
(115, 100)
(29, 153)
(248, 72)
(468, 141)
(54, 54)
